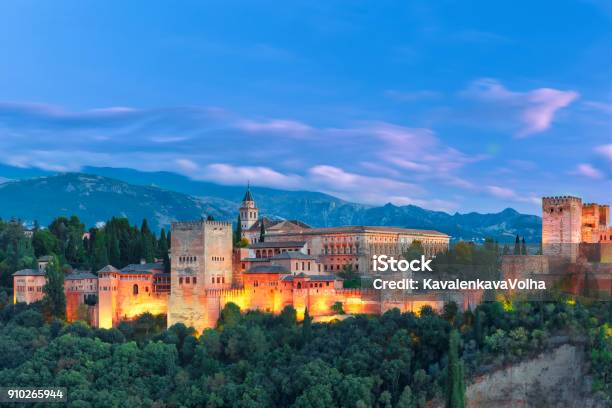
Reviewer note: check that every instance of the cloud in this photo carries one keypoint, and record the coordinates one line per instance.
(372, 162)
(187, 165)
(264, 176)
(605, 150)
(589, 171)
(599, 106)
(535, 110)
(286, 127)
(509, 194)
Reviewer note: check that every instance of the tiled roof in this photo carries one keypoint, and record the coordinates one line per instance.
(362, 229)
(256, 259)
(315, 278)
(278, 225)
(142, 268)
(80, 275)
(294, 255)
(267, 269)
(29, 272)
(45, 258)
(108, 268)
(278, 244)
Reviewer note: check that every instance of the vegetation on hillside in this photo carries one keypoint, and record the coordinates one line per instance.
(256, 359)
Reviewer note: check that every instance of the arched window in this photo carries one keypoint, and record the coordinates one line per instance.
(135, 289)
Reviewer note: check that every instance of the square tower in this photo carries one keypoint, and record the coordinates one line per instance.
(201, 259)
(561, 226)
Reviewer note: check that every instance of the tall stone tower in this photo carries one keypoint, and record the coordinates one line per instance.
(201, 260)
(561, 226)
(248, 211)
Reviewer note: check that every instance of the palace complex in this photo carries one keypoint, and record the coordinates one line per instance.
(297, 265)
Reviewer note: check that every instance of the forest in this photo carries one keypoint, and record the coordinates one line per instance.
(255, 359)
(114, 242)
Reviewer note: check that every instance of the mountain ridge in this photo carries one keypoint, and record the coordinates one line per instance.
(100, 193)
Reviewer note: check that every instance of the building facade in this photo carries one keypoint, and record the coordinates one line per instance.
(567, 223)
(293, 266)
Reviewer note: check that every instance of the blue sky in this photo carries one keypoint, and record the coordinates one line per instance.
(458, 106)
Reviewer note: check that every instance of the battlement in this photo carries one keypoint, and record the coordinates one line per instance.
(595, 204)
(187, 225)
(198, 224)
(560, 199)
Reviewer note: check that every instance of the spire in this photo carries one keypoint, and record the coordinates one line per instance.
(247, 195)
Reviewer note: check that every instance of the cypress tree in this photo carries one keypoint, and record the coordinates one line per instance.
(54, 299)
(523, 247)
(163, 250)
(262, 231)
(238, 231)
(114, 253)
(517, 246)
(306, 327)
(455, 387)
(147, 242)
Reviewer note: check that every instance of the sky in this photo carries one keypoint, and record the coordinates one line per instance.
(449, 105)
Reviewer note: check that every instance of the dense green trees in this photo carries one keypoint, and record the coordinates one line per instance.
(16, 251)
(54, 299)
(259, 360)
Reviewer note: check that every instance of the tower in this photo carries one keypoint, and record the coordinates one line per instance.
(561, 226)
(248, 211)
(201, 262)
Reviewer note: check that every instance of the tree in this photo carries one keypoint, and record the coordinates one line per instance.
(44, 242)
(350, 276)
(405, 399)
(162, 248)
(464, 252)
(523, 247)
(238, 231)
(306, 327)
(455, 387)
(517, 246)
(337, 308)
(262, 231)
(147, 240)
(414, 251)
(54, 299)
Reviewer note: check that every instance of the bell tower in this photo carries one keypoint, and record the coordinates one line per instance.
(248, 211)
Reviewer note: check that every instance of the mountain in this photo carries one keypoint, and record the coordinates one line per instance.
(137, 195)
(94, 198)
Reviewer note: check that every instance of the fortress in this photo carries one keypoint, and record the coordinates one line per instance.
(576, 251)
(293, 265)
(296, 265)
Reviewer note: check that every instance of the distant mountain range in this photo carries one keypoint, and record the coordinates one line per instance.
(99, 193)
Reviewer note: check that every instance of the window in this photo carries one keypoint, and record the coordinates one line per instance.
(194, 280)
(135, 289)
(187, 279)
(180, 281)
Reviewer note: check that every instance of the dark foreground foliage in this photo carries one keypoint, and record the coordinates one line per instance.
(260, 360)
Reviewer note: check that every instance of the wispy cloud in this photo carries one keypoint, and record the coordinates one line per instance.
(587, 170)
(535, 109)
(605, 150)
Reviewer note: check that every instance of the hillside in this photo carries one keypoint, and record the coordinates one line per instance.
(95, 198)
(162, 197)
